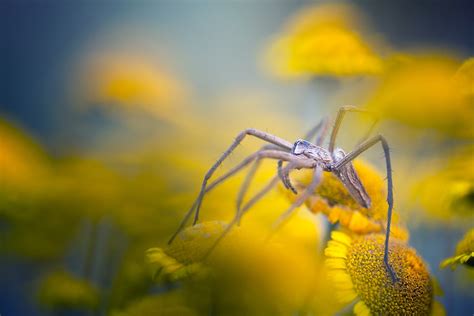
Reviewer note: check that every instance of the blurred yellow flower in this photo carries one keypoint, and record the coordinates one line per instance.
(61, 289)
(322, 41)
(132, 83)
(275, 277)
(447, 194)
(333, 200)
(464, 252)
(181, 259)
(423, 91)
(23, 164)
(357, 271)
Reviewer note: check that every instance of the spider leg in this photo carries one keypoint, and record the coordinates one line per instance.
(253, 200)
(211, 186)
(299, 201)
(337, 124)
(319, 130)
(351, 156)
(249, 177)
(253, 132)
(285, 177)
(296, 163)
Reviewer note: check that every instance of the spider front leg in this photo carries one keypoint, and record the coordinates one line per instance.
(252, 132)
(351, 156)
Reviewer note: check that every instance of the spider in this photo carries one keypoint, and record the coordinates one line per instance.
(301, 154)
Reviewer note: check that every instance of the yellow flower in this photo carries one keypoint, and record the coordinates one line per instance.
(182, 258)
(245, 273)
(131, 83)
(424, 91)
(357, 271)
(61, 289)
(464, 252)
(333, 200)
(448, 193)
(322, 40)
(23, 164)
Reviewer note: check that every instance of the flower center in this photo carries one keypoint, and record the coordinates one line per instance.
(411, 295)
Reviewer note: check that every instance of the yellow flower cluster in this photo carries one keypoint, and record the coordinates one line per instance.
(322, 41)
(453, 187)
(426, 91)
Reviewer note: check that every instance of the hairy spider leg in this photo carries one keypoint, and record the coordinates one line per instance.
(337, 124)
(351, 156)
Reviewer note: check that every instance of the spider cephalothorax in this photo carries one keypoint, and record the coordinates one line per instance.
(300, 155)
(346, 173)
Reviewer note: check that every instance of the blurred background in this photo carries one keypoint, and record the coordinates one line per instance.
(111, 113)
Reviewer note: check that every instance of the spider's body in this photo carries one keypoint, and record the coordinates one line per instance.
(299, 155)
(325, 161)
(321, 155)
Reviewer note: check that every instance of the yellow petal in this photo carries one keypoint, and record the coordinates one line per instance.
(360, 309)
(341, 237)
(335, 263)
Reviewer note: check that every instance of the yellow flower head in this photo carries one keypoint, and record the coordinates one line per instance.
(245, 273)
(181, 258)
(357, 271)
(131, 83)
(23, 164)
(426, 92)
(448, 193)
(464, 252)
(333, 199)
(322, 41)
